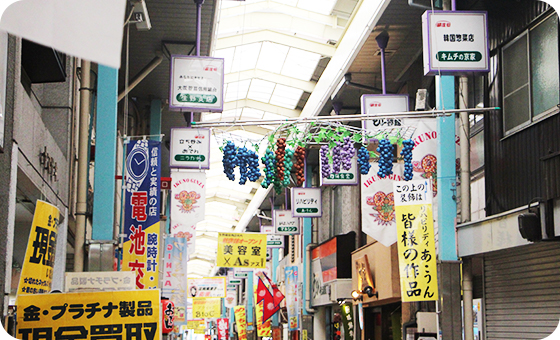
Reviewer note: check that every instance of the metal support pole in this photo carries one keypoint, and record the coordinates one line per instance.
(464, 134)
(382, 41)
(468, 299)
(83, 165)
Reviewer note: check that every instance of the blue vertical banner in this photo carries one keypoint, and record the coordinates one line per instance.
(141, 211)
(292, 300)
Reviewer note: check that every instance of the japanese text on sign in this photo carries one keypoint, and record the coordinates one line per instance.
(243, 250)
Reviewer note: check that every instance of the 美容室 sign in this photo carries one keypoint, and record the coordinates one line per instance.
(196, 83)
(245, 250)
(285, 223)
(381, 104)
(306, 202)
(207, 287)
(190, 148)
(121, 314)
(455, 42)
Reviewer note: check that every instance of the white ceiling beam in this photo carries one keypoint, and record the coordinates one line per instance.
(306, 86)
(239, 205)
(236, 104)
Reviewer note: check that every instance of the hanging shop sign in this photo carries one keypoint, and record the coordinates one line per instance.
(285, 223)
(344, 177)
(232, 280)
(416, 246)
(241, 322)
(142, 206)
(37, 270)
(206, 308)
(207, 287)
(240, 273)
(198, 326)
(382, 104)
(348, 320)
(167, 316)
(196, 83)
(231, 297)
(187, 233)
(174, 281)
(244, 250)
(378, 206)
(188, 198)
(189, 148)
(99, 281)
(222, 325)
(292, 300)
(363, 273)
(275, 241)
(306, 202)
(455, 42)
(120, 314)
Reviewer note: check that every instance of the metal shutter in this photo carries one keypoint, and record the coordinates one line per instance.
(522, 292)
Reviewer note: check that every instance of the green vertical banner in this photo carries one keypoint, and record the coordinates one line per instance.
(348, 321)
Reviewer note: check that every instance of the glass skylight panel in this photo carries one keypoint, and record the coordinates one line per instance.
(287, 2)
(272, 57)
(245, 57)
(286, 96)
(261, 90)
(227, 54)
(237, 90)
(231, 114)
(300, 64)
(318, 6)
(250, 113)
(209, 117)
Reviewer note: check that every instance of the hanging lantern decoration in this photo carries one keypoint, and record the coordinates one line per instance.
(168, 315)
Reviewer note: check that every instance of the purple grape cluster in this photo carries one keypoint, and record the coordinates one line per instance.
(363, 160)
(347, 153)
(325, 167)
(385, 150)
(337, 157)
(406, 152)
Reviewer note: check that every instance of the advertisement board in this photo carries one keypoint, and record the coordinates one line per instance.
(189, 148)
(306, 202)
(284, 223)
(245, 250)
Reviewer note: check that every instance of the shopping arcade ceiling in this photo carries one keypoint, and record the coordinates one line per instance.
(277, 53)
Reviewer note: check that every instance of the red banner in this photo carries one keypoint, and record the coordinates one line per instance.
(223, 329)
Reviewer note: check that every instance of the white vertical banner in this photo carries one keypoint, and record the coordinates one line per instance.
(378, 204)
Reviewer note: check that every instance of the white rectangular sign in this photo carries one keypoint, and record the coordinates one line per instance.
(306, 202)
(455, 42)
(412, 192)
(344, 177)
(125, 280)
(240, 273)
(275, 241)
(207, 287)
(189, 148)
(381, 104)
(285, 223)
(267, 229)
(196, 83)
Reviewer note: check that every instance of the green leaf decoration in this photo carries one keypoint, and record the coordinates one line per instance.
(329, 156)
(346, 134)
(393, 139)
(221, 148)
(317, 139)
(332, 144)
(330, 134)
(357, 138)
(271, 139)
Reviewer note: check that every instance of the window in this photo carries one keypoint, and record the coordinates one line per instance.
(530, 75)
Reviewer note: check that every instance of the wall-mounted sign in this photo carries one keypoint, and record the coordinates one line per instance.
(344, 177)
(382, 104)
(285, 223)
(275, 241)
(363, 273)
(100, 281)
(196, 83)
(245, 250)
(306, 202)
(416, 246)
(455, 42)
(189, 148)
(207, 287)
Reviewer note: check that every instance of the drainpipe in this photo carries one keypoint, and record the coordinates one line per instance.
(464, 133)
(83, 165)
(308, 307)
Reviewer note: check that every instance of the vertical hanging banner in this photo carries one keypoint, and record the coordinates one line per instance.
(142, 206)
(292, 301)
(378, 206)
(416, 245)
(167, 316)
(231, 297)
(348, 320)
(244, 250)
(37, 270)
(175, 277)
(223, 328)
(241, 322)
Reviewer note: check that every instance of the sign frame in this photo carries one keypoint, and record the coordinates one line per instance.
(174, 146)
(376, 99)
(312, 193)
(353, 171)
(288, 213)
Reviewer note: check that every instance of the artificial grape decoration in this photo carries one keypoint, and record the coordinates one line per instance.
(337, 158)
(325, 167)
(242, 162)
(288, 163)
(406, 152)
(299, 166)
(280, 155)
(363, 160)
(347, 153)
(385, 150)
(229, 160)
(269, 162)
(253, 166)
